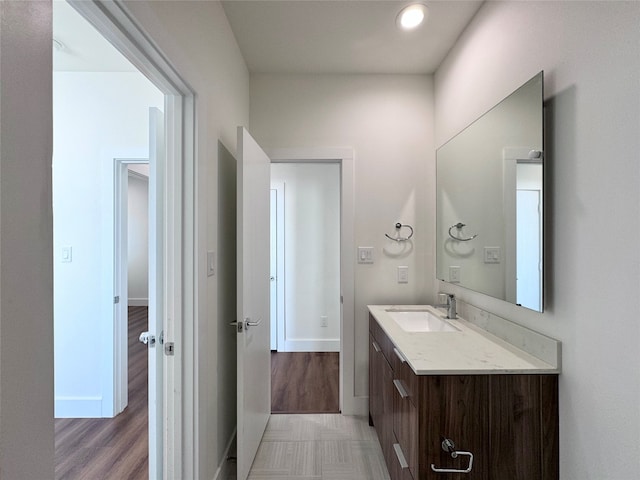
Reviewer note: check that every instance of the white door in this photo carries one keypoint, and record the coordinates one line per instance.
(529, 249)
(253, 361)
(156, 311)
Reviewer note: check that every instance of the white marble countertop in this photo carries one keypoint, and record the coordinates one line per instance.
(469, 351)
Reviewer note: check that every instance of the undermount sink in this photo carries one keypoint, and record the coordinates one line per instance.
(420, 321)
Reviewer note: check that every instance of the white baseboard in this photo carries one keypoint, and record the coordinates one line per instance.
(78, 407)
(138, 302)
(222, 472)
(311, 345)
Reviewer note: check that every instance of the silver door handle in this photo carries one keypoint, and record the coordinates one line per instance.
(249, 323)
(147, 339)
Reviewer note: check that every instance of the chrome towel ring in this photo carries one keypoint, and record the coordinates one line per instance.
(398, 238)
(459, 226)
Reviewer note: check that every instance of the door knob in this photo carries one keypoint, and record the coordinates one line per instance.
(147, 339)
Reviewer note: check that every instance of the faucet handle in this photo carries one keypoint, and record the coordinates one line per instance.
(443, 298)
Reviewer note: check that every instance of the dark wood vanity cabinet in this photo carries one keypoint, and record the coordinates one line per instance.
(508, 422)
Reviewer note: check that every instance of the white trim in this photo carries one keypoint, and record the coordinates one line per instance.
(350, 404)
(223, 471)
(279, 187)
(112, 19)
(118, 356)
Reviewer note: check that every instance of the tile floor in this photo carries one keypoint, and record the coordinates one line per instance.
(319, 447)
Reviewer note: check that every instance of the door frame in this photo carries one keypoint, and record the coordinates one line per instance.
(350, 403)
(279, 188)
(179, 282)
(120, 273)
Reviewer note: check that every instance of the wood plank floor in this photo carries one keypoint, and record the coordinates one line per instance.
(305, 382)
(111, 448)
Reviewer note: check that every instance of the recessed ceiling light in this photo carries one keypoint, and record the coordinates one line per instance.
(412, 16)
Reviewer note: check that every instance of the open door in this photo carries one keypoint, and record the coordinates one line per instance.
(253, 360)
(154, 337)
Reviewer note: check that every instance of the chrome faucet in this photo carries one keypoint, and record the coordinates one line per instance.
(450, 305)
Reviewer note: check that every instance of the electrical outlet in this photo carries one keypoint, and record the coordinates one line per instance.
(403, 274)
(323, 321)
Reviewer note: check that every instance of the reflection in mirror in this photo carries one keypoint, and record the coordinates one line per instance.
(489, 192)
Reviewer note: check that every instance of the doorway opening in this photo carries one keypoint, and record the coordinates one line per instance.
(172, 273)
(341, 161)
(305, 287)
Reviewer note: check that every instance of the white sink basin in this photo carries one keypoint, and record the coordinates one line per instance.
(420, 321)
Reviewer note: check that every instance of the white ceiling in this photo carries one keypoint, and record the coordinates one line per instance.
(344, 36)
(84, 49)
(297, 36)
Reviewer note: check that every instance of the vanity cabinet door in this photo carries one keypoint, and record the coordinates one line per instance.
(381, 398)
(385, 431)
(524, 427)
(454, 407)
(405, 425)
(375, 382)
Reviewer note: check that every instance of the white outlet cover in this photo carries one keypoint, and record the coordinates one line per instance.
(403, 274)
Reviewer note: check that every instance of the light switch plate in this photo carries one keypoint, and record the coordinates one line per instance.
(365, 254)
(454, 274)
(67, 254)
(491, 254)
(211, 263)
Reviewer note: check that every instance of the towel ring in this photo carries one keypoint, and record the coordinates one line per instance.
(459, 225)
(398, 238)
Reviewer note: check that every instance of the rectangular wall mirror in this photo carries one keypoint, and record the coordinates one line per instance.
(489, 193)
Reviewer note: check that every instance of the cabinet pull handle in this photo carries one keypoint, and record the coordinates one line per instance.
(376, 347)
(399, 355)
(403, 461)
(455, 454)
(400, 387)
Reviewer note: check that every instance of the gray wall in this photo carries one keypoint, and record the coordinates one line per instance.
(589, 52)
(26, 242)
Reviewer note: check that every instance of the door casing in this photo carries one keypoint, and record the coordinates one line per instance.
(179, 282)
(350, 403)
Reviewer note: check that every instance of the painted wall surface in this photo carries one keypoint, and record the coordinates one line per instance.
(197, 39)
(589, 52)
(98, 116)
(138, 240)
(388, 121)
(26, 270)
(312, 255)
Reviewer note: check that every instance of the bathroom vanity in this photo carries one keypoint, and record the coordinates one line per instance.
(450, 400)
